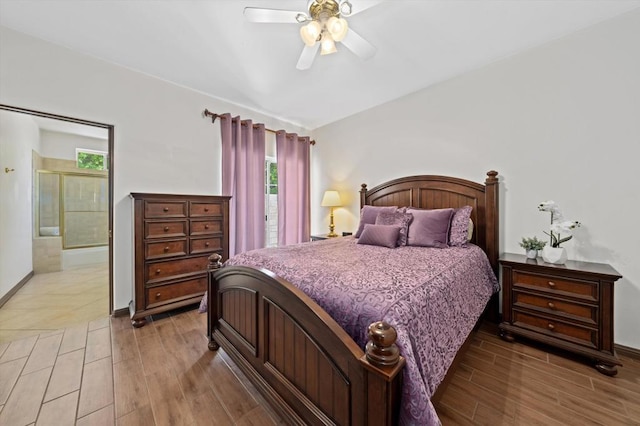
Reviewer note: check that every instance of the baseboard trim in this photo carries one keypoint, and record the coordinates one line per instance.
(15, 289)
(122, 312)
(627, 351)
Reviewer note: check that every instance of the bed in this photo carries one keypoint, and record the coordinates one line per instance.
(314, 362)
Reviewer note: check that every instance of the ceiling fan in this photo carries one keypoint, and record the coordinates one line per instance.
(324, 25)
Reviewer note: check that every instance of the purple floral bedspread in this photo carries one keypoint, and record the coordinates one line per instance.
(433, 297)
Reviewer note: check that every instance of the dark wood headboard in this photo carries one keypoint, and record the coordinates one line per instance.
(436, 192)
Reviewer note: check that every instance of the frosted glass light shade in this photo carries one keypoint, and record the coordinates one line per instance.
(310, 33)
(328, 46)
(331, 199)
(338, 28)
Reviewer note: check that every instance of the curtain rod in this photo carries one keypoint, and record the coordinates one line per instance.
(213, 116)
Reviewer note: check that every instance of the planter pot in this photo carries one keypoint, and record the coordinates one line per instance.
(556, 255)
(532, 254)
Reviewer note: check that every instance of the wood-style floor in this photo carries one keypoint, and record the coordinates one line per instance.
(104, 372)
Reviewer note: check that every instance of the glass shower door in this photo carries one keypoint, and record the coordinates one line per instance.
(85, 211)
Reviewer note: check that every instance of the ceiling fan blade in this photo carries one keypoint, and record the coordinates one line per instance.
(307, 56)
(271, 16)
(361, 47)
(362, 5)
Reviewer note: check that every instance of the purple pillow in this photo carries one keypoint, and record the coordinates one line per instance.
(458, 236)
(368, 214)
(429, 228)
(379, 235)
(397, 218)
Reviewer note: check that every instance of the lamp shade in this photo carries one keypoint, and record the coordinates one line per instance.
(331, 199)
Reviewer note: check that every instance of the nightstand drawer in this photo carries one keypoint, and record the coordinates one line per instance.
(581, 289)
(576, 311)
(551, 327)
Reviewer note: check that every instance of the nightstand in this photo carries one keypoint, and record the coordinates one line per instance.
(568, 306)
(321, 237)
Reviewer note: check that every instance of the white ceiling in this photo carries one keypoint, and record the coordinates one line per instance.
(208, 46)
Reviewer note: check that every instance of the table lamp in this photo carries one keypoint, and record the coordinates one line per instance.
(331, 199)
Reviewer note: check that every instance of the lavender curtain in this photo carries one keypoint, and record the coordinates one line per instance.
(243, 177)
(294, 223)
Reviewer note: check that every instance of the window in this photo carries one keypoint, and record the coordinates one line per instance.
(271, 201)
(90, 159)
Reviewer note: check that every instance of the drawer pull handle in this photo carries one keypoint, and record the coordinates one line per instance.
(206, 209)
(157, 295)
(157, 271)
(206, 244)
(552, 284)
(166, 229)
(166, 248)
(206, 227)
(551, 326)
(166, 209)
(551, 305)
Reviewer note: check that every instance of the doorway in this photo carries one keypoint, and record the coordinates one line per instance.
(68, 196)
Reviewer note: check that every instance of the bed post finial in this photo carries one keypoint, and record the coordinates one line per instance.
(215, 261)
(381, 349)
(363, 194)
(492, 176)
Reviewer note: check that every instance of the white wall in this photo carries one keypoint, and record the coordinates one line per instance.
(559, 122)
(18, 137)
(63, 145)
(162, 143)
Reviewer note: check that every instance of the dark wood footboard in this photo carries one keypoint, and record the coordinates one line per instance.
(300, 359)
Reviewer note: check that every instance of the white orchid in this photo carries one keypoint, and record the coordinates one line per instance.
(558, 223)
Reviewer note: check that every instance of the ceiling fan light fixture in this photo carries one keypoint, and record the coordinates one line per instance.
(338, 28)
(310, 33)
(327, 45)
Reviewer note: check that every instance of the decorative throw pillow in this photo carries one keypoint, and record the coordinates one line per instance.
(397, 218)
(379, 235)
(368, 214)
(460, 227)
(429, 228)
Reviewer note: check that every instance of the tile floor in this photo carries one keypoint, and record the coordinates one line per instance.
(56, 300)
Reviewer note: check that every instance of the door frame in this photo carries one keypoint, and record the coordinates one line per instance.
(110, 130)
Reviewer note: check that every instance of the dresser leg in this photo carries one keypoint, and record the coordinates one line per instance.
(506, 336)
(137, 323)
(606, 369)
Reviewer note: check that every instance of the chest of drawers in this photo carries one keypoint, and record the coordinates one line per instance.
(568, 306)
(173, 237)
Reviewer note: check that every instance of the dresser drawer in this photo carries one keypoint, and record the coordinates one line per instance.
(161, 209)
(160, 271)
(206, 227)
(580, 289)
(161, 295)
(206, 245)
(160, 249)
(166, 229)
(205, 209)
(570, 332)
(581, 312)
